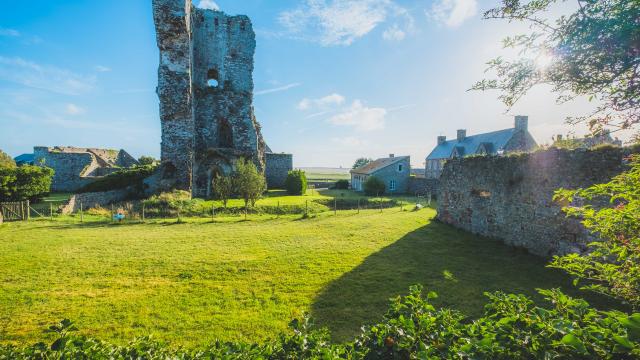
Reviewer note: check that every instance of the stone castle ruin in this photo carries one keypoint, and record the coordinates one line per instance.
(205, 86)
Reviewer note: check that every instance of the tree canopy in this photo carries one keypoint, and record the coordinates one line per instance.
(6, 160)
(593, 52)
(361, 162)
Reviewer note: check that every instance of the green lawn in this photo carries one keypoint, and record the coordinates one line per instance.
(195, 282)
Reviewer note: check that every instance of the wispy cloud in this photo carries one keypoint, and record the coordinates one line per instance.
(361, 117)
(208, 4)
(394, 33)
(9, 32)
(73, 109)
(453, 13)
(277, 89)
(102, 68)
(332, 99)
(337, 22)
(44, 77)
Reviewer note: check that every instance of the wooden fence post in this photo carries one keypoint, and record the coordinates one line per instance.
(143, 208)
(28, 210)
(51, 211)
(335, 206)
(306, 209)
(22, 210)
(278, 210)
(81, 214)
(358, 205)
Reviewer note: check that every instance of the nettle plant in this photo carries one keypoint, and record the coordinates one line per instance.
(612, 267)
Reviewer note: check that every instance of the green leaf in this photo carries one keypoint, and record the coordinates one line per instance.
(572, 341)
(623, 341)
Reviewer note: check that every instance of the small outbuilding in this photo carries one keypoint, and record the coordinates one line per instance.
(394, 171)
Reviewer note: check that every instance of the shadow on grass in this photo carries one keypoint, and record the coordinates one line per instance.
(459, 266)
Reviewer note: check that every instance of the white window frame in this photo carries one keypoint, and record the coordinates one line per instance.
(393, 185)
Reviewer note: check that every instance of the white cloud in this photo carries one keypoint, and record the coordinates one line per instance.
(277, 89)
(361, 117)
(9, 32)
(337, 22)
(101, 68)
(44, 77)
(394, 33)
(73, 109)
(208, 4)
(333, 99)
(453, 13)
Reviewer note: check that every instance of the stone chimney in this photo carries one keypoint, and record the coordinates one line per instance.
(522, 122)
(462, 134)
(442, 140)
(392, 155)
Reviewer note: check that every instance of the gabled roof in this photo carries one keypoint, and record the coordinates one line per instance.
(470, 144)
(378, 164)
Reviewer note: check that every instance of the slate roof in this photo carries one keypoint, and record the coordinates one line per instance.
(378, 164)
(24, 159)
(493, 141)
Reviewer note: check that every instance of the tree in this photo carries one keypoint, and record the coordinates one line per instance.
(147, 160)
(361, 162)
(249, 183)
(223, 188)
(374, 186)
(612, 267)
(592, 52)
(6, 160)
(296, 182)
(24, 183)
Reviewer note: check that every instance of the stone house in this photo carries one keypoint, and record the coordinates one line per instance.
(394, 171)
(76, 167)
(516, 139)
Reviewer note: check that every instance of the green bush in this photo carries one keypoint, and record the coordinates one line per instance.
(25, 183)
(6, 160)
(341, 185)
(296, 183)
(512, 327)
(122, 179)
(374, 186)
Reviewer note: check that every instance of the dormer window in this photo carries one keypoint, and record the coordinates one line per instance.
(213, 78)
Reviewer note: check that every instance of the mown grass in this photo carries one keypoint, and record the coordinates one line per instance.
(194, 282)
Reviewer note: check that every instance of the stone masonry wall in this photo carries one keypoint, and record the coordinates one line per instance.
(510, 198)
(92, 200)
(423, 186)
(277, 169)
(68, 168)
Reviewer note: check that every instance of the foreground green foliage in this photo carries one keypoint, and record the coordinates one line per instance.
(248, 182)
(131, 178)
(24, 183)
(296, 182)
(6, 160)
(361, 162)
(512, 327)
(612, 211)
(374, 186)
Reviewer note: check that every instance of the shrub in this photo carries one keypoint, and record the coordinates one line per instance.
(374, 186)
(25, 183)
(122, 179)
(342, 185)
(6, 160)
(248, 182)
(223, 188)
(147, 160)
(296, 183)
(512, 327)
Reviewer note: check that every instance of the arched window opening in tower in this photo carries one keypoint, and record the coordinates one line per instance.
(225, 134)
(213, 78)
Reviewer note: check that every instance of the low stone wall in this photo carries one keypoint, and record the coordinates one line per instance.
(277, 169)
(510, 198)
(422, 186)
(92, 200)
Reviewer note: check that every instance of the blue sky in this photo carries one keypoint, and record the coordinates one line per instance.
(335, 79)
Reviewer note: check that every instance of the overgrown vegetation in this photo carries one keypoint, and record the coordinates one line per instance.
(612, 212)
(147, 160)
(6, 161)
(248, 182)
(512, 327)
(223, 188)
(374, 186)
(296, 182)
(341, 185)
(592, 52)
(24, 183)
(132, 178)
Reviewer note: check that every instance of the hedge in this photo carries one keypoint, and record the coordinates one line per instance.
(121, 179)
(24, 183)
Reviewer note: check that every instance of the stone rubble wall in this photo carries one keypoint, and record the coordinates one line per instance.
(422, 186)
(277, 169)
(510, 198)
(93, 200)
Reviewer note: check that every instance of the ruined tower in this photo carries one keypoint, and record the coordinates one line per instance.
(205, 87)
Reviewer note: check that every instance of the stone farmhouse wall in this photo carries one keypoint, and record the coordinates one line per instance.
(277, 169)
(510, 198)
(422, 186)
(68, 168)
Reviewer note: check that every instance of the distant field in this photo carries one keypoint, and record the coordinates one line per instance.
(195, 282)
(326, 174)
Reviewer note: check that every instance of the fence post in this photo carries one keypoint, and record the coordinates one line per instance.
(143, 208)
(81, 215)
(28, 210)
(22, 210)
(380, 204)
(112, 213)
(51, 211)
(335, 206)
(358, 205)
(306, 209)
(213, 211)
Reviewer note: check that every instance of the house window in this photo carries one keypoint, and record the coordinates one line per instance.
(392, 185)
(399, 167)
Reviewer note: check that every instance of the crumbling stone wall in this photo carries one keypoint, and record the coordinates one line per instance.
(205, 86)
(510, 198)
(93, 200)
(422, 186)
(277, 169)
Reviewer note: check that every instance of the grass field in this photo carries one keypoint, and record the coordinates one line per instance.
(327, 174)
(194, 282)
